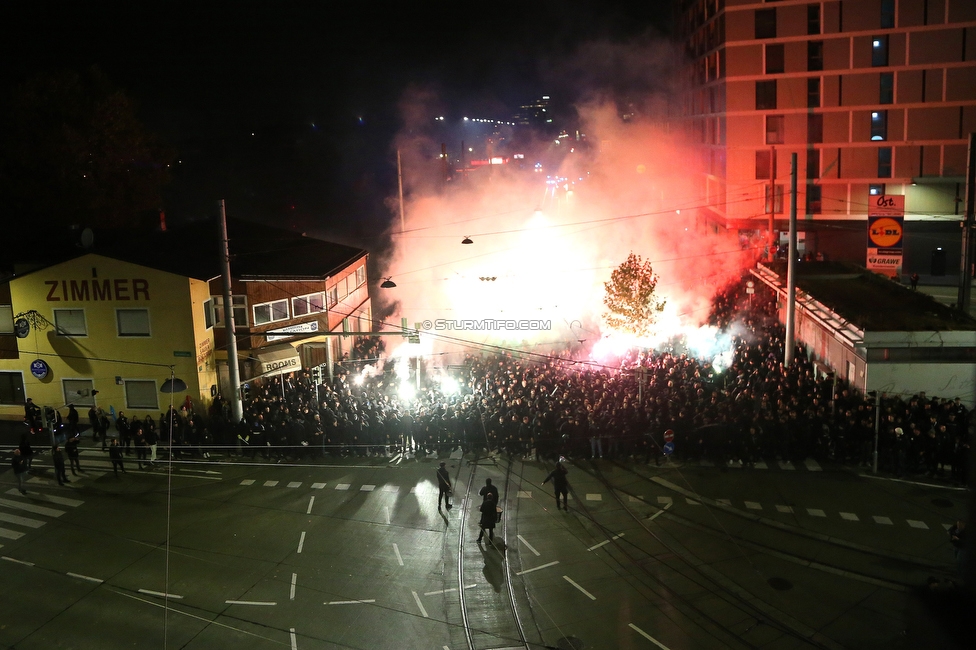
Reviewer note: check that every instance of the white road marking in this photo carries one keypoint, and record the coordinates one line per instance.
(349, 602)
(367, 488)
(594, 497)
(760, 464)
(585, 592)
(61, 501)
(648, 637)
(724, 502)
(752, 505)
(665, 500)
(813, 465)
(294, 639)
(529, 546)
(525, 494)
(391, 488)
(247, 481)
(270, 483)
(815, 512)
(543, 566)
(849, 516)
(318, 486)
(692, 502)
(10, 534)
(882, 520)
(947, 526)
(386, 511)
(419, 604)
(787, 465)
(88, 578)
(342, 486)
(10, 559)
(21, 521)
(301, 542)
(160, 594)
(914, 523)
(295, 484)
(311, 500)
(250, 602)
(294, 581)
(784, 509)
(440, 591)
(37, 510)
(635, 499)
(656, 514)
(396, 550)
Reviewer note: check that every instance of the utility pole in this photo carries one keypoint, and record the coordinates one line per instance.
(791, 269)
(400, 185)
(771, 241)
(234, 374)
(968, 237)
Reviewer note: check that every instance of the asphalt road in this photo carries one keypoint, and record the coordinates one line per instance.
(353, 553)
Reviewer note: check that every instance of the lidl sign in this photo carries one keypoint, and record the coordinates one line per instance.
(886, 229)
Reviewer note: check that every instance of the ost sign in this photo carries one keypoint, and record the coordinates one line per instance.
(886, 221)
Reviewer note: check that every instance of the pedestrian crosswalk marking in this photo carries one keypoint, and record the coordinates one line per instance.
(723, 502)
(635, 499)
(752, 505)
(813, 465)
(524, 494)
(318, 486)
(849, 516)
(594, 497)
(664, 500)
(787, 465)
(391, 488)
(367, 488)
(21, 521)
(270, 483)
(786, 509)
(29, 507)
(61, 501)
(247, 481)
(761, 464)
(295, 484)
(882, 520)
(914, 523)
(10, 534)
(692, 502)
(342, 486)
(816, 512)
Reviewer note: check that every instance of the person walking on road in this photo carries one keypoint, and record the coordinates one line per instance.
(19, 463)
(58, 457)
(489, 516)
(489, 489)
(560, 484)
(957, 537)
(443, 486)
(115, 453)
(74, 457)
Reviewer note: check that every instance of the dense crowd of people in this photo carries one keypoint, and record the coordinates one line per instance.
(548, 406)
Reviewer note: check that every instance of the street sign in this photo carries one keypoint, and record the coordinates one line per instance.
(668, 435)
(668, 448)
(39, 368)
(182, 354)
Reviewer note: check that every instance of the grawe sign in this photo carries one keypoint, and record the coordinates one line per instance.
(886, 223)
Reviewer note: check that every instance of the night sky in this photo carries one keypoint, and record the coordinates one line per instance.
(288, 110)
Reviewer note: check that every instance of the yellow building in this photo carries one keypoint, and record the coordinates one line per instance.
(107, 328)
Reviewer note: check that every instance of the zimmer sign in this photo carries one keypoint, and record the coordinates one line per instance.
(886, 222)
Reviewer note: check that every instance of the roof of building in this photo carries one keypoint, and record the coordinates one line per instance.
(193, 250)
(873, 302)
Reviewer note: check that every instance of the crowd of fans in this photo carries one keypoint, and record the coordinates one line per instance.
(547, 406)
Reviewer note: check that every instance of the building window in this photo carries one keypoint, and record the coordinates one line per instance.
(813, 19)
(774, 199)
(879, 125)
(815, 128)
(813, 163)
(813, 92)
(814, 55)
(6, 319)
(240, 310)
(775, 59)
(208, 313)
(879, 51)
(766, 95)
(333, 296)
(132, 322)
(141, 394)
(887, 95)
(270, 312)
(310, 304)
(361, 271)
(766, 23)
(774, 129)
(764, 164)
(12, 388)
(884, 162)
(814, 199)
(887, 14)
(877, 189)
(70, 322)
(78, 392)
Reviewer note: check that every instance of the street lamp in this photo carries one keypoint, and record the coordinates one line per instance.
(387, 284)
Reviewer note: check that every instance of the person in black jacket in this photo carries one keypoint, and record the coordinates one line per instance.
(115, 453)
(489, 515)
(560, 484)
(58, 457)
(443, 485)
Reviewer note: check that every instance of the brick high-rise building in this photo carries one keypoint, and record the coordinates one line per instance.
(875, 97)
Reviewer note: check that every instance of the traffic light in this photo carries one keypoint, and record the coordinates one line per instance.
(317, 374)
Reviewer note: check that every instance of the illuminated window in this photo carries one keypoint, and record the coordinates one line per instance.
(877, 189)
(774, 129)
(774, 199)
(879, 51)
(361, 275)
(879, 125)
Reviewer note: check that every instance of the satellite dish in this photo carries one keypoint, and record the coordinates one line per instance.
(87, 238)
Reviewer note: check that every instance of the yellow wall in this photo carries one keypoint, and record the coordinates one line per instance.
(100, 285)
